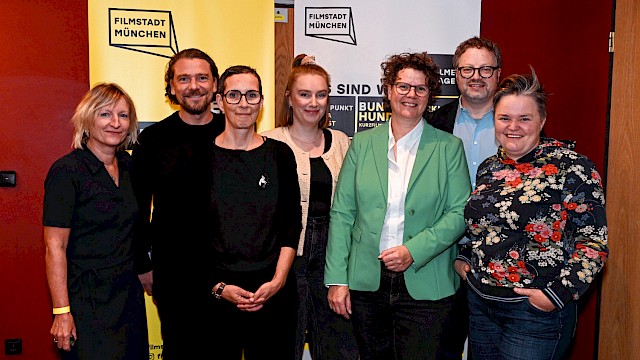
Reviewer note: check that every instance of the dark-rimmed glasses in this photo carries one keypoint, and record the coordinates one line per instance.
(233, 97)
(485, 72)
(403, 89)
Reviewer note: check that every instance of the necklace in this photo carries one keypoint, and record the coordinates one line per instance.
(312, 142)
(113, 176)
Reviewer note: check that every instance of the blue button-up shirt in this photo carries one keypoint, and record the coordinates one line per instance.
(479, 138)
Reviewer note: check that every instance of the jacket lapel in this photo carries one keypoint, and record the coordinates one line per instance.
(380, 147)
(426, 148)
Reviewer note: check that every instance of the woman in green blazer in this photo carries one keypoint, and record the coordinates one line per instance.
(396, 216)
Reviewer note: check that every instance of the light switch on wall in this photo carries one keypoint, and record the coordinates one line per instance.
(8, 178)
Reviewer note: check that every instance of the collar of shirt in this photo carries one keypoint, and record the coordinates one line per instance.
(405, 143)
(464, 115)
(462, 108)
(400, 166)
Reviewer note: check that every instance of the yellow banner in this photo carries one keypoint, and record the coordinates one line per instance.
(131, 41)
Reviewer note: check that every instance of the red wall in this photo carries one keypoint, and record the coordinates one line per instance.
(44, 71)
(566, 42)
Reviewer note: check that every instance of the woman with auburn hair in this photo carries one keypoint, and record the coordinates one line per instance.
(319, 152)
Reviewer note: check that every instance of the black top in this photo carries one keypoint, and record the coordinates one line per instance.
(321, 182)
(80, 195)
(170, 165)
(255, 202)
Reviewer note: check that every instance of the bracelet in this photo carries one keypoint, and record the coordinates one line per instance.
(61, 310)
(218, 293)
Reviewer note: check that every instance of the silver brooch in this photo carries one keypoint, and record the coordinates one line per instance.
(263, 182)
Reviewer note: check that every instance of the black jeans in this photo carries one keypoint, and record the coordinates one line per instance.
(330, 335)
(390, 324)
(457, 327)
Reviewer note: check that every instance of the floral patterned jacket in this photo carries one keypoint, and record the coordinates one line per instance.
(536, 223)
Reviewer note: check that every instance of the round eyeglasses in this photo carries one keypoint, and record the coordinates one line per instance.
(233, 97)
(485, 72)
(404, 88)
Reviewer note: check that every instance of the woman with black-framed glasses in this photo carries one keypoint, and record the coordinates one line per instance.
(396, 216)
(255, 225)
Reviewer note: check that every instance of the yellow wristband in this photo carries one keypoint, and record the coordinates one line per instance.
(61, 310)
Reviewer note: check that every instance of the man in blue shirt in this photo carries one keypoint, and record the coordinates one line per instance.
(477, 62)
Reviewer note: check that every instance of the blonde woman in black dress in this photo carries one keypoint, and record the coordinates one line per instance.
(89, 212)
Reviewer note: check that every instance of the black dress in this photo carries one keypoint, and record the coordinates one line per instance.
(256, 211)
(105, 294)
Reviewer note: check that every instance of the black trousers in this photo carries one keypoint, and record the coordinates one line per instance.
(457, 327)
(390, 324)
(269, 333)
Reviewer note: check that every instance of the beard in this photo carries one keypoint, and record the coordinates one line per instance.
(477, 96)
(195, 108)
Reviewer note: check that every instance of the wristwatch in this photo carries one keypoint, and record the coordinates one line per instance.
(218, 293)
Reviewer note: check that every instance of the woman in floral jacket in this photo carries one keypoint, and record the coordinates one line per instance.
(538, 233)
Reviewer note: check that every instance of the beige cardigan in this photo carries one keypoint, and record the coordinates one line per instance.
(332, 158)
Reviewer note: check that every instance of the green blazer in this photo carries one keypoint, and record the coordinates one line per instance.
(434, 213)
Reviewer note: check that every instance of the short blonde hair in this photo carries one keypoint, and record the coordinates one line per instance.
(523, 85)
(101, 95)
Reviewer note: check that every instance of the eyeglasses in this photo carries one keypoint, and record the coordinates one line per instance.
(233, 97)
(484, 71)
(404, 88)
